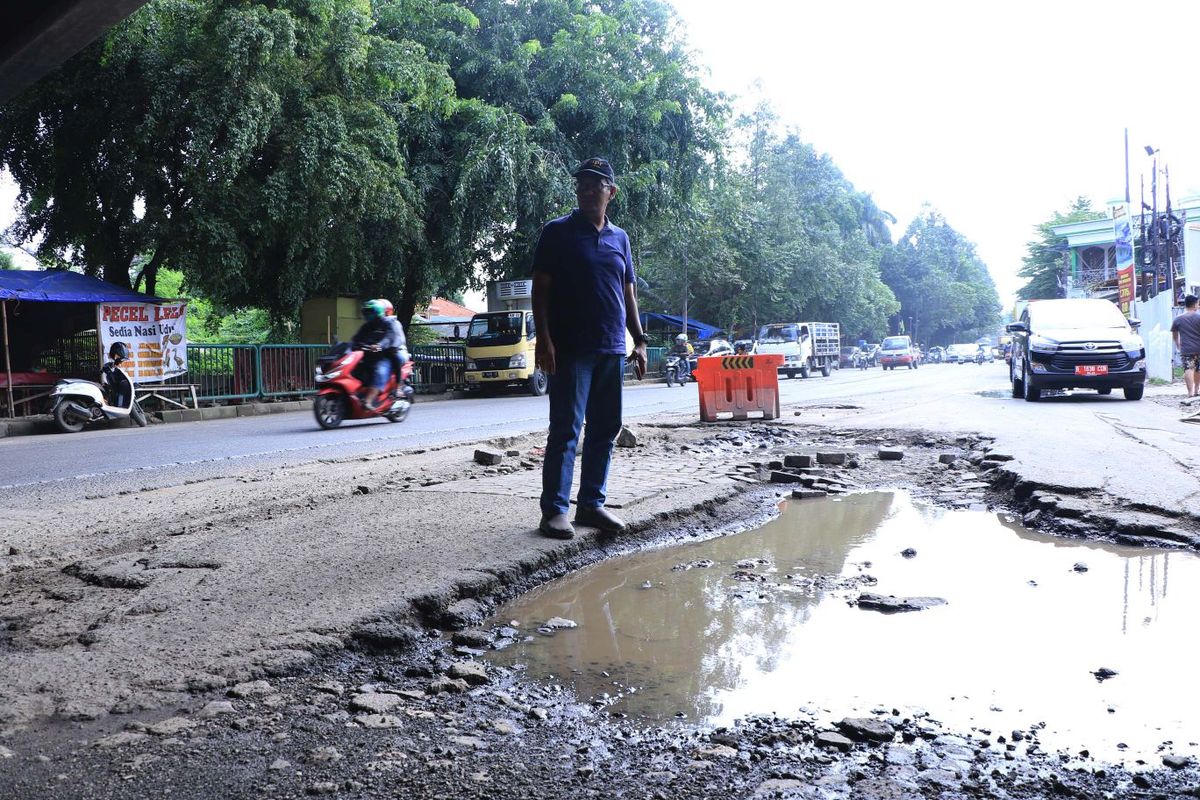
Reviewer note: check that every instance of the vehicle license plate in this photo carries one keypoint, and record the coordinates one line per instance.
(491, 374)
(1091, 369)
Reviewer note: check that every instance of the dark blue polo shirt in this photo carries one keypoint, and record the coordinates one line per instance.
(588, 271)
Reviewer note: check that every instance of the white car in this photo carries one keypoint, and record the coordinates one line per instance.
(961, 353)
(719, 347)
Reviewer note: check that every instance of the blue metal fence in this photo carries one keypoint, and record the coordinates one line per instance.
(253, 371)
(286, 370)
(221, 371)
(261, 371)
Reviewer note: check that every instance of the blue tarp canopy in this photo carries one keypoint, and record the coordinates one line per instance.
(61, 286)
(701, 330)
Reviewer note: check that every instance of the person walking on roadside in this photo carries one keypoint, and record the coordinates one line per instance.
(1186, 331)
(583, 301)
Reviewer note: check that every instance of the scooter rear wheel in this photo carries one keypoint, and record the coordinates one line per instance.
(329, 409)
(67, 420)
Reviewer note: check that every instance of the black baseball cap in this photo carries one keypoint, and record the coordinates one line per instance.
(596, 166)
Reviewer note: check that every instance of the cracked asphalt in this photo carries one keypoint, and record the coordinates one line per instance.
(143, 570)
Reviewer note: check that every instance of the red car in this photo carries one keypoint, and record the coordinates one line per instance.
(898, 351)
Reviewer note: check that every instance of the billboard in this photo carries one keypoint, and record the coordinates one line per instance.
(155, 333)
(1123, 236)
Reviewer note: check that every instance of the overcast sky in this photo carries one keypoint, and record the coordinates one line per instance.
(996, 114)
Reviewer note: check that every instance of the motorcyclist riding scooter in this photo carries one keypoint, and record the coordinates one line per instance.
(679, 360)
(347, 374)
(377, 339)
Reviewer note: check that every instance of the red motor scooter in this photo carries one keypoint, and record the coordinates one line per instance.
(341, 383)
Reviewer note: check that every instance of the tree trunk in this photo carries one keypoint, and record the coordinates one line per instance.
(408, 298)
(150, 271)
(118, 274)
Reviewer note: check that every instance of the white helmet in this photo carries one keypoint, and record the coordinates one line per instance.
(681, 337)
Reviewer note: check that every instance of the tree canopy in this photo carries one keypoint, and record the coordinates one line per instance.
(945, 291)
(273, 151)
(1042, 265)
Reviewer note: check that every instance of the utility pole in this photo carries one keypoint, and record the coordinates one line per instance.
(685, 288)
(1127, 168)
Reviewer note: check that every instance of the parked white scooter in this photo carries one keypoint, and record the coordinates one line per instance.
(78, 402)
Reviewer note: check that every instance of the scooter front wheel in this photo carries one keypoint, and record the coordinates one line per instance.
(139, 416)
(670, 377)
(329, 409)
(67, 419)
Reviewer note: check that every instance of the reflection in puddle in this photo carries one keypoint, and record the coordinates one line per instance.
(768, 627)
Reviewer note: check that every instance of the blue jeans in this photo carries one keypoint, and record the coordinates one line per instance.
(381, 372)
(584, 387)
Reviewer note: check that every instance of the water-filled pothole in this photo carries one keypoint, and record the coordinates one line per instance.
(769, 626)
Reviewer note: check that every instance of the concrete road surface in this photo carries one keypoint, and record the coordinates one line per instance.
(1073, 435)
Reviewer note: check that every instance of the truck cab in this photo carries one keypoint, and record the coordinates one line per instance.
(501, 342)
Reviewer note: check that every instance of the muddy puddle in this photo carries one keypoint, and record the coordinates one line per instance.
(765, 621)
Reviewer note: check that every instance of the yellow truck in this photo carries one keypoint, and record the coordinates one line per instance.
(500, 342)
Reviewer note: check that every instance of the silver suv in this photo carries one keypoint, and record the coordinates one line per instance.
(1073, 344)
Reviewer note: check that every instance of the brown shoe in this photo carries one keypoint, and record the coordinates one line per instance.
(601, 518)
(556, 527)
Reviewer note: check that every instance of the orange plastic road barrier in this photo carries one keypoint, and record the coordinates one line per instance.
(737, 385)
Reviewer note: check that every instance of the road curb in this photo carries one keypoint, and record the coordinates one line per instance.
(44, 423)
(28, 426)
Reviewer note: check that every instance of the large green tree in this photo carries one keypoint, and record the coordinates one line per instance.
(272, 150)
(111, 150)
(945, 290)
(604, 77)
(254, 145)
(784, 236)
(1042, 266)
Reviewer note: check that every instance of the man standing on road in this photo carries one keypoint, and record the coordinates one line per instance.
(583, 300)
(1186, 330)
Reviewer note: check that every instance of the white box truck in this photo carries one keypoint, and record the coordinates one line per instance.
(805, 346)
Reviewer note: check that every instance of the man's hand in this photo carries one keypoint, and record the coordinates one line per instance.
(543, 355)
(638, 359)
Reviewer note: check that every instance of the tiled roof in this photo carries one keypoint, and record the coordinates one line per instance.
(441, 307)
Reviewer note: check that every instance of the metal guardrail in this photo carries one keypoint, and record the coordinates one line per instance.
(287, 369)
(221, 371)
(655, 359)
(251, 371)
(438, 366)
(77, 354)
